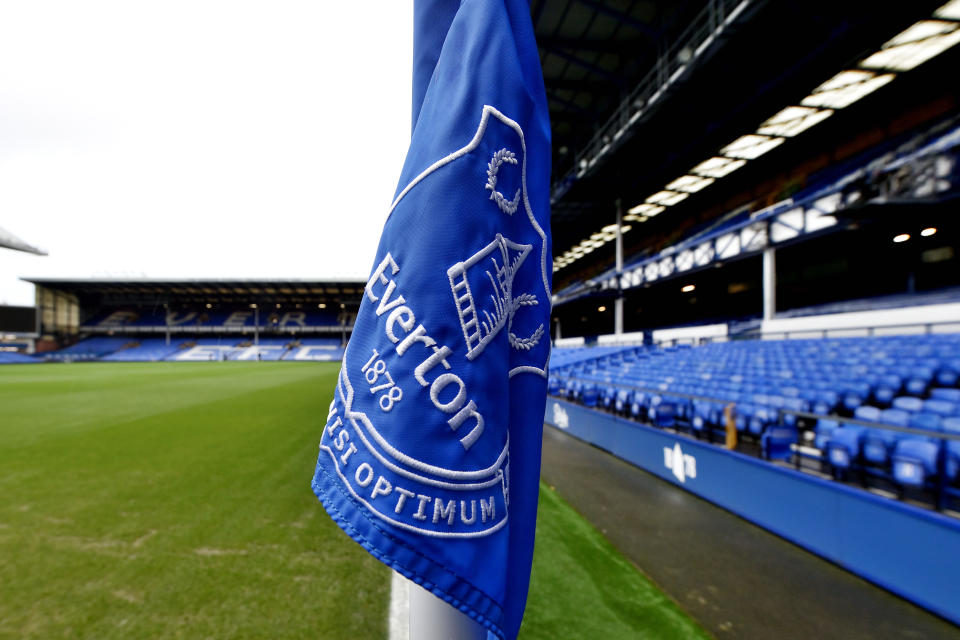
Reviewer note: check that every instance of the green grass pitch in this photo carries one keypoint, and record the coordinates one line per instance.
(172, 500)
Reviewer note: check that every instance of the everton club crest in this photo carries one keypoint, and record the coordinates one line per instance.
(455, 309)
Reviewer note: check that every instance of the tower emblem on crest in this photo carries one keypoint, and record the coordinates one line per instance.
(493, 269)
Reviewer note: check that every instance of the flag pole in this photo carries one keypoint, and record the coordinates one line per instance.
(433, 619)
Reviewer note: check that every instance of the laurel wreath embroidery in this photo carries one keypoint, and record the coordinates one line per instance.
(525, 344)
(504, 155)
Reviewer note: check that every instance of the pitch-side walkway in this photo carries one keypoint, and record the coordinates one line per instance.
(736, 579)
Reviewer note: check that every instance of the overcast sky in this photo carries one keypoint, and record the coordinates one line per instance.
(199, 138)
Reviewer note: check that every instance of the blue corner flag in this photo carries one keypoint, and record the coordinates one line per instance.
(430, 457)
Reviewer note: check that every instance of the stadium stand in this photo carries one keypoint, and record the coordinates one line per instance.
(199, 348)
(873, 406)
(239, 317)
(12, 357)
(147, 320)
(320, 349)
(142, 350)
(89, 349)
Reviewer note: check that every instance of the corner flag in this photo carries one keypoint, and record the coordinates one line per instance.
(430, 457)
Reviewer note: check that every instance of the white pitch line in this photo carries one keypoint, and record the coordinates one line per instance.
(399, 607)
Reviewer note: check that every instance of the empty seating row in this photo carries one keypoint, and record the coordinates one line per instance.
(151, 349)
(12, 357)
(904, 382)
(231, 318)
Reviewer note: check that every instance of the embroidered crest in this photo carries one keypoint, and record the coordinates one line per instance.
(418, 429)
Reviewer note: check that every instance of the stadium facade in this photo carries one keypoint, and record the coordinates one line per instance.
(147, 320)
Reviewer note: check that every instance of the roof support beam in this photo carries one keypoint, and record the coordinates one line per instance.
(590, 84)
(623, 18)
(589, 66)
(618, 48)
(585, 115)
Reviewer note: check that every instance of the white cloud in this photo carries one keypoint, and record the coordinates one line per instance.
(200, 139)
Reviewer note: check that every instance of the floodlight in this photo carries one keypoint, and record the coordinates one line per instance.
(667, 198)
(793, 121)
(845, 88)
(717, 167)
(751, 146)
(915, 45)
(690, 184)
(950, 11)
(903, 237)
(646, 209)
(929, 231)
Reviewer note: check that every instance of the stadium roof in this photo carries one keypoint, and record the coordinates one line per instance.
(643, 92)
(207, 290)
(10, 241)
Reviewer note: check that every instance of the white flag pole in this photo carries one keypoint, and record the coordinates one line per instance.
(433, 619)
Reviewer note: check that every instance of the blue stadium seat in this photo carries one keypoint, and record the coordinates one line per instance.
(877, 442)
(623, 400)
(638, 403)
(776, 441)
(852, 400)
(948, 374)
(591, 395)
(928, 421)
(553, 386)
(867, 413)
(950, 395)
(662, 413)
(826, 402)
(823, 431)
(914, 461)
(952, 426)
(908, 403)
(607, 395)
(843, 446)
(918, 381)
(940, 407)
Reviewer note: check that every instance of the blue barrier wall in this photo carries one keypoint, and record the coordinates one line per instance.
(909, 551)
